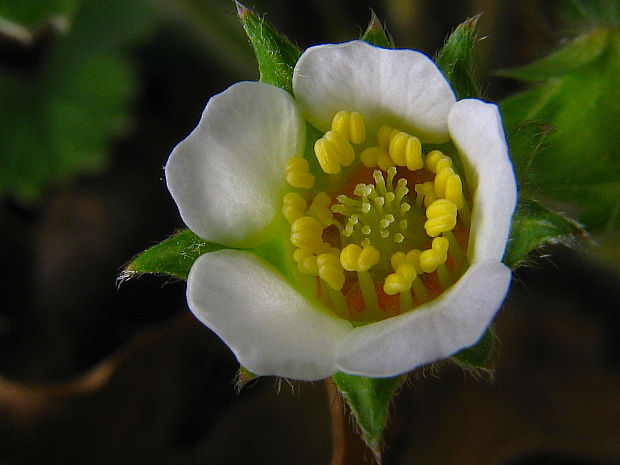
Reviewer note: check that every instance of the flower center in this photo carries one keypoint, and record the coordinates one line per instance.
(376, 247)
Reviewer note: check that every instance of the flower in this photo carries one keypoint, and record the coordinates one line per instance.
(331, 263)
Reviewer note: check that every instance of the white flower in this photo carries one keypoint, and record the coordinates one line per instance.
(228, 178)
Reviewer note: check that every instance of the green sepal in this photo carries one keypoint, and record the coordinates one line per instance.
(482, 355)
(276, 55)
(455, 59)
(534, 225)
(369, 400)
(376, 34)
(173, 256)
(243, 377)
(577, 93)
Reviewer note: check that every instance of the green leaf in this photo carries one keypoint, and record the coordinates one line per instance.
(58, 121)
(275, 54)
(526, 142)
(369, 400)
(455, 59)
(33, 12)
(376, 34)
(173, 256)
(480, 355)
(580, 165)
(534, 225)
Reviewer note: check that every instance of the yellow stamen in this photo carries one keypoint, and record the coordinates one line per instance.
(441, 216)
(438, 253)
(384, 136)
(370, 156)
(330, 270)
(454, 190)
(425, 193)
(306, 261)
(435, 160)
(406, 150)
(355, 258)
(401, 280)
(332, 151)
(298, 173)
(319, 208)
(306, 233)
(440, 181)
(293, 206)
(351, 125)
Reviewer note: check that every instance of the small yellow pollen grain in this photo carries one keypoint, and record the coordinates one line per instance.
(293, 206)
(435, 160)
(330, 270)
(319, 208)
(355, 258)
(306, 232)
(298, 173)
(441, 216)
(438, 254)
(332, 151)
(351, 125)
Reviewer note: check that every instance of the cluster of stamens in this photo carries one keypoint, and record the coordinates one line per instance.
(382, 240)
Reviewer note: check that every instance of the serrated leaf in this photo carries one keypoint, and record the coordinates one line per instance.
(276, 55)
(173, 256)
(534, 225)
(59, 121)
(480, 355)
(369, 400)
(456, 62)
(580, 165)
(376, 34)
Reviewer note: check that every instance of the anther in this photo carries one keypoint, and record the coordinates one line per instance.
(332, 151)
(293, 206)
(306, 232)
(351, 125)
(384, 136)
(435, 160)
(454, 190)
(298, 173)
(406, 150)
(330, 270)
(441, 216)
(319, 208)
(401, 280)
(306, 261)
(438, 254)
(355, 258)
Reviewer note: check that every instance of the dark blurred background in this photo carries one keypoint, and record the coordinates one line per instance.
(95, 373)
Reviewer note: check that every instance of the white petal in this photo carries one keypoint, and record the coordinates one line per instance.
(228, 176)
(453, 321)
(270, 327)
(476, 130)
(403, 88)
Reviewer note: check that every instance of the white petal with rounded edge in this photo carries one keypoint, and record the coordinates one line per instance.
(403, 88)
(477, 132)
(227, 177)
(453, 321)
(270, 327)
